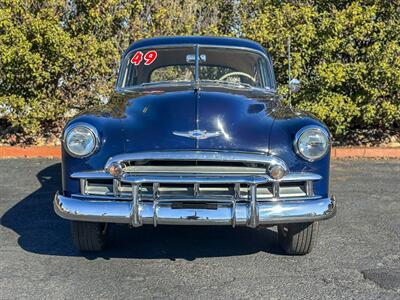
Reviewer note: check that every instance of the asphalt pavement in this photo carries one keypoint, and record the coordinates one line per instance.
(357, 255)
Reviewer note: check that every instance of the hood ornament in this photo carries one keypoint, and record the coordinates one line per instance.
(198, 134)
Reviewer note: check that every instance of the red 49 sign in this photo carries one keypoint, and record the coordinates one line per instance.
(149, 57)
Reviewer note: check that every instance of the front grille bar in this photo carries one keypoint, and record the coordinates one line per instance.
(275, 190)
(253, 220)
(291, 177)
(201, 186)
(309, 188)
(135, 204)
(138, 179)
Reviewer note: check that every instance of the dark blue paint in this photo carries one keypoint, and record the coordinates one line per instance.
(286, 124)
(246, 129)
(201, 40)
(144, 120)
(111, 143)
(151, 119)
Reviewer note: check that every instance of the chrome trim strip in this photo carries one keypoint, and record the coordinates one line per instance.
(205, 170)
(92, 175)
(210, 199)
(291, 177)
(196, 179)
(270, 213)
(199, 156)
(288, 199)
(100, 197)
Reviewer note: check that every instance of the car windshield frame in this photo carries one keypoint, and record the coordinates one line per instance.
(270, 83)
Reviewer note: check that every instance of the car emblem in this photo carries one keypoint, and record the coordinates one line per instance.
(197, 134)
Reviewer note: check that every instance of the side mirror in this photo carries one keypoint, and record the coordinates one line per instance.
(294, 85)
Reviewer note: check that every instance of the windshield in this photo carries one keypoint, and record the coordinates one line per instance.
(177, 65)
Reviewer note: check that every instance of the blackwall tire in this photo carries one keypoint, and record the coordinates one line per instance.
(89, 236)
(298, 238)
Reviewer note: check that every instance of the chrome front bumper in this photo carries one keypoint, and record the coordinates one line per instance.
(249, 214)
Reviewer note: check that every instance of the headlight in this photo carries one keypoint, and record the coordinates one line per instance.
(81, 140)
(311, 142)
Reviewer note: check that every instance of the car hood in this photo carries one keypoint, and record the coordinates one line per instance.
(225, 119)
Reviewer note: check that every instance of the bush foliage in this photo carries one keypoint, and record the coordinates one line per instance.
(61, 56)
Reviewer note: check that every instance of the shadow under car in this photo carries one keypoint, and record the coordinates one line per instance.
(41, 231)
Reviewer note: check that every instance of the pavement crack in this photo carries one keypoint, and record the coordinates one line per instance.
(386, 278)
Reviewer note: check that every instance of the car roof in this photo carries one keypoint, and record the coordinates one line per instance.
(201, 40)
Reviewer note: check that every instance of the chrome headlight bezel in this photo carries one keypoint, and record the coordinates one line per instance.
(93, 132)
(315, 128)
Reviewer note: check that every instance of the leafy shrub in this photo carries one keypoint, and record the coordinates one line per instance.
(347, 57)
(60, 56)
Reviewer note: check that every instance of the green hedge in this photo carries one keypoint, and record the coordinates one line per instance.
(57, 57)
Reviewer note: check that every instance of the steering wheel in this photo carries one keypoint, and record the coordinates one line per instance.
(237, 74)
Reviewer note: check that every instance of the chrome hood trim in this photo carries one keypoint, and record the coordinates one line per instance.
(198, 155)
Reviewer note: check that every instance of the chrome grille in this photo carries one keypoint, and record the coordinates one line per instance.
(195, 176)
(116, 188)
(192, 167)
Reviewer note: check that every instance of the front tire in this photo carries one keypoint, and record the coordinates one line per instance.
(298, 238)
(89, 236)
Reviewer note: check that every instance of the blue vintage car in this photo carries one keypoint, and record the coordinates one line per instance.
(195, 134)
